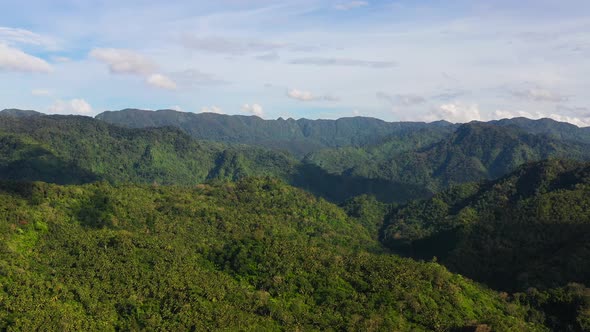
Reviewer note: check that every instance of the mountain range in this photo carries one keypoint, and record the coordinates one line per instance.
(395, 161)
(163, 220)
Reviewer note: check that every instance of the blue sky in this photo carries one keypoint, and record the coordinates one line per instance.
(395, 60)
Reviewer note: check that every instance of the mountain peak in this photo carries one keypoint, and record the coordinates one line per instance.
(14, 112)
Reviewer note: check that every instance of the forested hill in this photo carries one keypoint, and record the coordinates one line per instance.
(76, 149)
(303, 136)
(475, 151)
(527, 232)
(527, 229)
(296, 136)
(19, 113)
(560, 130)
(254, 255)
(414, 163)
(147, 211)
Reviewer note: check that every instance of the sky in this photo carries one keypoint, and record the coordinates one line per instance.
(406, 60)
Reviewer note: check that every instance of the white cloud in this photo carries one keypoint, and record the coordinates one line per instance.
(74, 106)
(351, 5)
(211, 109)
(161, 81)
(300, 95)
(454, 112)
(21, 36)
(255, 109)
(13, 59)
(578, 121)
(41, 92)
(308, 96)
(122, 61)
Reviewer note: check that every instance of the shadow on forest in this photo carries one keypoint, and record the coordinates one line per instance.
(338, 188)
(509, 256)
(38, 164)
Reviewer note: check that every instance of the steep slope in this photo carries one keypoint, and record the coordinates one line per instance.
(549, 127)
(74, 149)
(254, 255)
(299, 137)
(37, 148)
(475, 151)
(525, 232)
(528, 229)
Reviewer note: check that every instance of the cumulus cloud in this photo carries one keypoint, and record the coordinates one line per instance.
(122, 61)
(540, 95)
(254, 109)
(41, 92)
(580, 121)
(13, 59)
(308, 96)
(74, 106)
(351, 5)
(212, 109)
(401, 99)
(317, 61)
(454, 112)
(229, 46)
(161, 81)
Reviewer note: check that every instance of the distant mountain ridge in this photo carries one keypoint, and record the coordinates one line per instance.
(408, 160)
(296, 136)
(76, 149)
(19, 113)
(473, 152)
(550, 127)
(304, 136)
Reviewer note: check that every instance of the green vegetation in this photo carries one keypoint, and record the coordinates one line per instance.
(298, 137)
(435, 161)
(419, 158)
(548, 127)
(524, 232)
(156, 230)
(75, 150)
(50, 148)
(251, 255)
